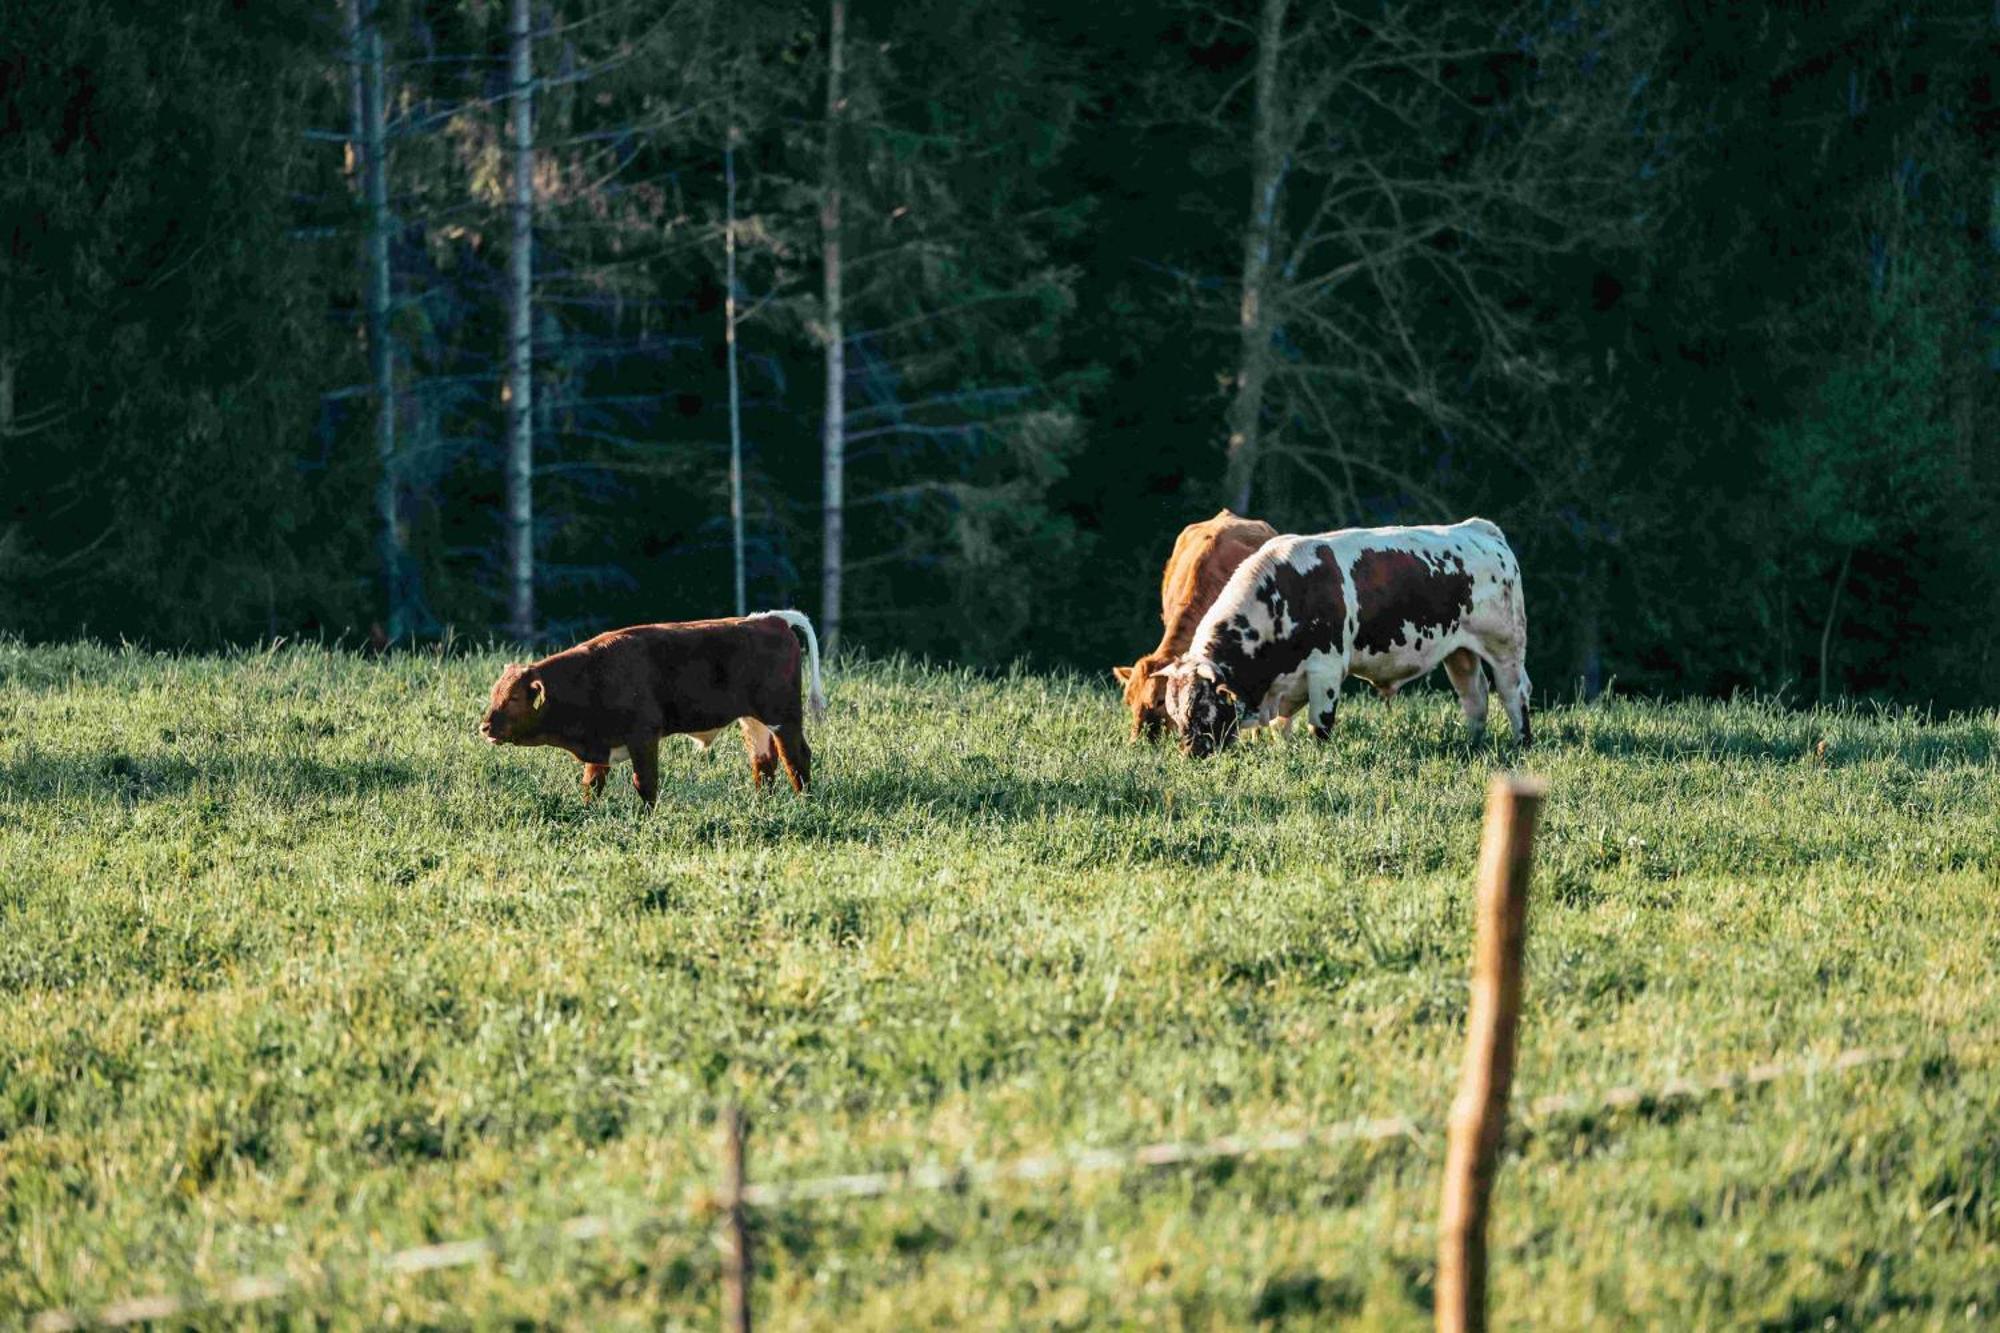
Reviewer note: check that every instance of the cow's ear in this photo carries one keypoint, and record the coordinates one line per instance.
(1123, 673)
(1226, 692)
(538, 693)
(1169, 671)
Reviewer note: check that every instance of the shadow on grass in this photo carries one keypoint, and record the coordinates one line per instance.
(1789, 739)
(115, 776)
(983, 788)
(1110, 814)
(1305, 1295)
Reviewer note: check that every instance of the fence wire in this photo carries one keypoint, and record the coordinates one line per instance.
(971, 1175)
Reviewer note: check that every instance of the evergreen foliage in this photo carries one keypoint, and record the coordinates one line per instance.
(1701, 304)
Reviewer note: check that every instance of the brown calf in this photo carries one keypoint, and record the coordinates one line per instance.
(615, 696)
(1205, 555)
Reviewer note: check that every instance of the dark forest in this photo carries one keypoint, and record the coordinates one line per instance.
(408, 319)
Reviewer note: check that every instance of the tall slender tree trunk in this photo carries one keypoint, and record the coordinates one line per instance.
(7, 363)
(1832, 611)
(357, 91)
(1253, 365)
(520, 338)
(735, 391)
(7, 359)
(833, 513)
(1587, 666)
(392, 536)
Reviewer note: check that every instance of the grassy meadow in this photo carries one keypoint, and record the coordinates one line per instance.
(293, 968)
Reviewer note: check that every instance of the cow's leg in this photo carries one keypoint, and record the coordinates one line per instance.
(645, 767)
(1323, 698)
(1510, 679)
(1276, 727)
(762, 748)
(593, 780)
(1275, 716)
(793, 750)
(1468, 677)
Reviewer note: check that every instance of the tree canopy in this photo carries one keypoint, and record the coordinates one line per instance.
(1700, 303)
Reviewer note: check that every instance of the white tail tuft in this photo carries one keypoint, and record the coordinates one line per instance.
(816, 697)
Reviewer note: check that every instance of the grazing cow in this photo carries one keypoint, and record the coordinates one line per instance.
(1384, 604)
(615, 696)
(1205, 555)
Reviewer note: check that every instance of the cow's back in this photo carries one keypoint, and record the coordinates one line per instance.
(1368, 595)
(706, 669)
(1205, 556)
(1461, 576)
(689, 676)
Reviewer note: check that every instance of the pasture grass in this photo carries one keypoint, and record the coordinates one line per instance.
(293, 968)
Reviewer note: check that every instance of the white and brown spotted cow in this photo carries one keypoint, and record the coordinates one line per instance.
(1384, 604)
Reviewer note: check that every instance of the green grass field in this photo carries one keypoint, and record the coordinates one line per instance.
(293, 969)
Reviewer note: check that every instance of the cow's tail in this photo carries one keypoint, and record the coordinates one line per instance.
(816, 697)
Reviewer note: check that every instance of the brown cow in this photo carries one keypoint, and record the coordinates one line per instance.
(1205, 555)
(614, 697)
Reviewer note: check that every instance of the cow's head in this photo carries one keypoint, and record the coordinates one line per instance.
(1200, 708)
(514, 712)
(1145, 694)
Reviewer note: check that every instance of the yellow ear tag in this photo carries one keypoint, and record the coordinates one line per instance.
(541, 693)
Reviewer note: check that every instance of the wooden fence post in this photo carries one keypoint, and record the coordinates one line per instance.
(735, 1227)
(1479, 1113)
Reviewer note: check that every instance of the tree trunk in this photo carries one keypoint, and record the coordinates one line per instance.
(1832, 610)
(1588, 663)
(392, 538)
(357, 91)
(1784, 617)
(6, 387)
(8, 360)
(834, 428)
(735, 392)
(520, 339)
(1253, 367)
